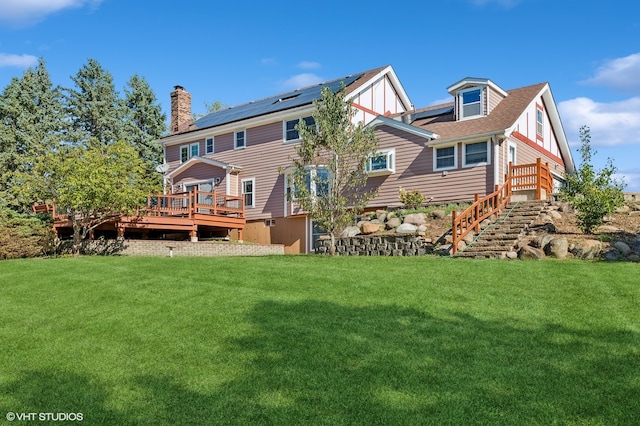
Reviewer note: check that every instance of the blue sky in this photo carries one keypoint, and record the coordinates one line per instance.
(237, 51)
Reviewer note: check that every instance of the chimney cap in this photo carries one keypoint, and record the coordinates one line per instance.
(178, 87)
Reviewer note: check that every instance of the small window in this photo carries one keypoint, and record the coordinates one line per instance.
(539, 122)
(248, 192)
(188, 151)
(269, 222)
(445, 158)
(290, 132)
(208, 143)
(476, 153)
(471, 101)
(239, 140)
(382, 163)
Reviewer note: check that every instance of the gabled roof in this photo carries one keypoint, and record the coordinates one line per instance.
(440, 119)
(474, 81)
(201, 160)
(295, 98)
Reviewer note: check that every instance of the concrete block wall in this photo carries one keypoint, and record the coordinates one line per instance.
(378, 245)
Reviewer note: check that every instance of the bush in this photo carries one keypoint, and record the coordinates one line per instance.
(411, 199)
(23, 235)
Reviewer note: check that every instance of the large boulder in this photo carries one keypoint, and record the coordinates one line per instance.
(350, 231)
(622, 247)
(370, 228)
(393, 222)
(438, 214)
(588, 249)
(415, 219)
(558, 248)
(541, 241)
(528, 252)
(407, 228)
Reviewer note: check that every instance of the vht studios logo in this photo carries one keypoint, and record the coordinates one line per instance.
(43, 417)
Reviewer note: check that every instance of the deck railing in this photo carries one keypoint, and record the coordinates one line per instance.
(535, 176)
(187, 204)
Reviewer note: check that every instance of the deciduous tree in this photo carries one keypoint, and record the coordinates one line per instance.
(330, 175)
(593, 193)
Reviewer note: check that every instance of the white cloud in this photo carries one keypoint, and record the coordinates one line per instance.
(611, 123)
(20, 61)
(308, 65)
(446, 100)
(302, 80)
(20, 13)
(619, 74)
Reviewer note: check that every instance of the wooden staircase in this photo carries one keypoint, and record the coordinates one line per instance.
(499, 238)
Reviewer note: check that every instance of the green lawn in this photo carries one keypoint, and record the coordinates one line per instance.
(316, 340)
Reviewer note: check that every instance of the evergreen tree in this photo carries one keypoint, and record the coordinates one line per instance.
(31, 124)
(94, 109)
(145, 123)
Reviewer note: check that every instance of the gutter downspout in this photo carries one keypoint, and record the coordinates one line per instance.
(496, 160)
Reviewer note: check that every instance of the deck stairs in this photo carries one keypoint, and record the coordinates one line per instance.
(499, 238)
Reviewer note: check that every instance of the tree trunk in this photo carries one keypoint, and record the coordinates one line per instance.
(332, 246)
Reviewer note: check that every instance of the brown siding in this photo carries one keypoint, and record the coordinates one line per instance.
(201, 171)
(414, 170)
(528, 155)
(494, 99)
(288, 231)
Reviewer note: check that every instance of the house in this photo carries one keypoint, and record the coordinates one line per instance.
(449, 152)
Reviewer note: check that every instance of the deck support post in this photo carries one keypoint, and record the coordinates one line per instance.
(194, 234)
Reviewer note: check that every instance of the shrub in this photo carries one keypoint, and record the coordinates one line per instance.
(411, 199)
(23, 235)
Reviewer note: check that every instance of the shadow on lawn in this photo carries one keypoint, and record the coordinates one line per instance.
(322, 363)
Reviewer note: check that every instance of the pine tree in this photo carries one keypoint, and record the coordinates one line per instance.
(94, 108)
(144, 123)
(31, 124)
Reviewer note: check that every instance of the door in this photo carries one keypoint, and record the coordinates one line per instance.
(207, 198)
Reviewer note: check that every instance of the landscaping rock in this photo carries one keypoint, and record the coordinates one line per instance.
(622, 247)
(588, 250)
(541, 241)
(393, 222)
(611, 255)
(608, 229)
(558, 248)
(406, 228)
(370, 228)
(438, 214)
(528, 252)
(350, 231)
(415, 219)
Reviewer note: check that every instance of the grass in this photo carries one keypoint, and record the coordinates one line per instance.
(314, 340)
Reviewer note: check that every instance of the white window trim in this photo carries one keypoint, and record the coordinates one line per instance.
(235, 139)
(391, 162)
(213, 145)
(461, 103)
(435, 158)
(513, 145)
(464, 154)
(284, 128)
(253, 194)
(188, 147)
(540, 135)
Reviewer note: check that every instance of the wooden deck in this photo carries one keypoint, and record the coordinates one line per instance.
(185, 212)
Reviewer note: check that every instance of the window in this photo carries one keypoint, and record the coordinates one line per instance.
(476, 153)
(316, 182)
(445, 158)
(188, 151)
(471, 103)
(269, 222)
(290, 132)
(239, 140)
(249, 192)
(381, 163)
(208, 146)
(539, 122)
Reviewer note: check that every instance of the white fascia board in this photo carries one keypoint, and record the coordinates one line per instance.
(386, 121)
(471, 138)
(197, 160)
(395, 81)
(478, 82)
(181, 138)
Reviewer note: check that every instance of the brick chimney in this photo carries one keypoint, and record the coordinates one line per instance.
(180, 110)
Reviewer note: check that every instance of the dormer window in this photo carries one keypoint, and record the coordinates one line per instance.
(470, 102)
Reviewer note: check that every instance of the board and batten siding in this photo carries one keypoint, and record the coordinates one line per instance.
(414, 170)
(380, 96)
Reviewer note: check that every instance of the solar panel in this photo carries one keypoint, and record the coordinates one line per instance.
(432, 113)
(271, 104)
